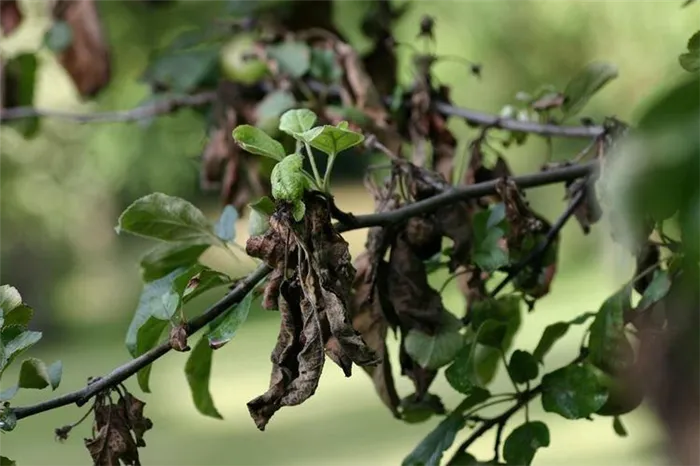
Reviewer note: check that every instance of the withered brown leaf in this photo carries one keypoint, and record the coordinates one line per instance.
(87, 59)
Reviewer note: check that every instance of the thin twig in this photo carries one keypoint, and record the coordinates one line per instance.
(542, 248)
(121, 373)
(497, 444)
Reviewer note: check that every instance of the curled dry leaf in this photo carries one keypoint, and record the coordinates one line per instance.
(313, 302)
(87, 59)
(178, 339)
(10, 16)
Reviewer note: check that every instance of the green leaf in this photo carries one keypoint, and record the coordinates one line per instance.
(522, 444)
(8, 394)
(331, 139)
(690, 61)
(34, 374)
(414, 411)
(462, 458)
(619, 427)
(157, 300)
(657, 289)
(9, 298)
(184, 70)
(298, 121)
(287, 179)
(293, 58)
(258, 223)
(166, 257)
(225, 228)
(523, 366)
(492, 333)
(435, 351)
(573, 392)
(324, 65)
(429, 452)
(607, 335)
(58, 37)
(21, 77)
(264, 205)
(505, 309)
(5, 461)
(299, 209)
(196, 280)
(585, 84)
(198, 371)
(553, 332)
(273, 105)
(16, 341)
(166, 218)
(489, 228)
(257, 141)
(21, 315)
(147, 338)
(228, 325)
(461, 374)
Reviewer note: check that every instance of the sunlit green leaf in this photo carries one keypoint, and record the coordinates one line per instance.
(331, 139)
(166, 218)
(461, 374)
(585, 84)
(226, 328)
(288, 181)
(296, 122)
(522, 444)
(198, 372)
(9, 298)
(298, 210)
(573, 392)
(147, 338)
(257, 141)
(435, 351)
(166, 257)
(34, 374)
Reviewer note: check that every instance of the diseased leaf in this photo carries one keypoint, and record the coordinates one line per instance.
(226, 328)
(429, 452)
(657, 289)
(331, 139)
(58, 37)
(522, 444)
(198, 371)
(523, 366)
(619, 427)
(257, 141)
(196, 280)
(157, 300)
(585, 84)
(166, 218)
(225, 228)
(573, 392)
(298, 121)
(554, 332)
(288, 182)
(299, 208)
(293, 58)
(148, 336)
(166, 257)
(435, 351)
(607, 337)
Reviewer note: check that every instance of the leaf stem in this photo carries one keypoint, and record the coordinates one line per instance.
(312, 160)
(327, 176)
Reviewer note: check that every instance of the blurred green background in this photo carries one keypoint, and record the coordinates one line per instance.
(62, 192)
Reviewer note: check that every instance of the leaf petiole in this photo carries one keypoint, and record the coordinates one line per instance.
(319, 182)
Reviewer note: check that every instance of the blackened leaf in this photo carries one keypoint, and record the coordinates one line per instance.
(257, 141)
(166, 218)
(183, 71)
(332, 139)
(58, 37)
(523, 366)
(16, 341)
(461, 374)
(607, 330)
(147, 338)
(232, 319)
(198, 371)
(167, 257)
(21, 71)
(619, 427)
(225, 228)
(491, 333)
(157, 300)
(585, 84)
(435, 351)
(657, 289)
(553, 332)
(295, 122)
(9, 298)
(293, 58)
(573, 392)
(522, 444)
(429, 452)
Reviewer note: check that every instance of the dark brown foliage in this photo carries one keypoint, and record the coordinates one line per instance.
(87, 59)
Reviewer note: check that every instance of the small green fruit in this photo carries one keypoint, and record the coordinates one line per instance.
(239, 61)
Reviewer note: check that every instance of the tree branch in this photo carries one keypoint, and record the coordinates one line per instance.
(121, 373)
